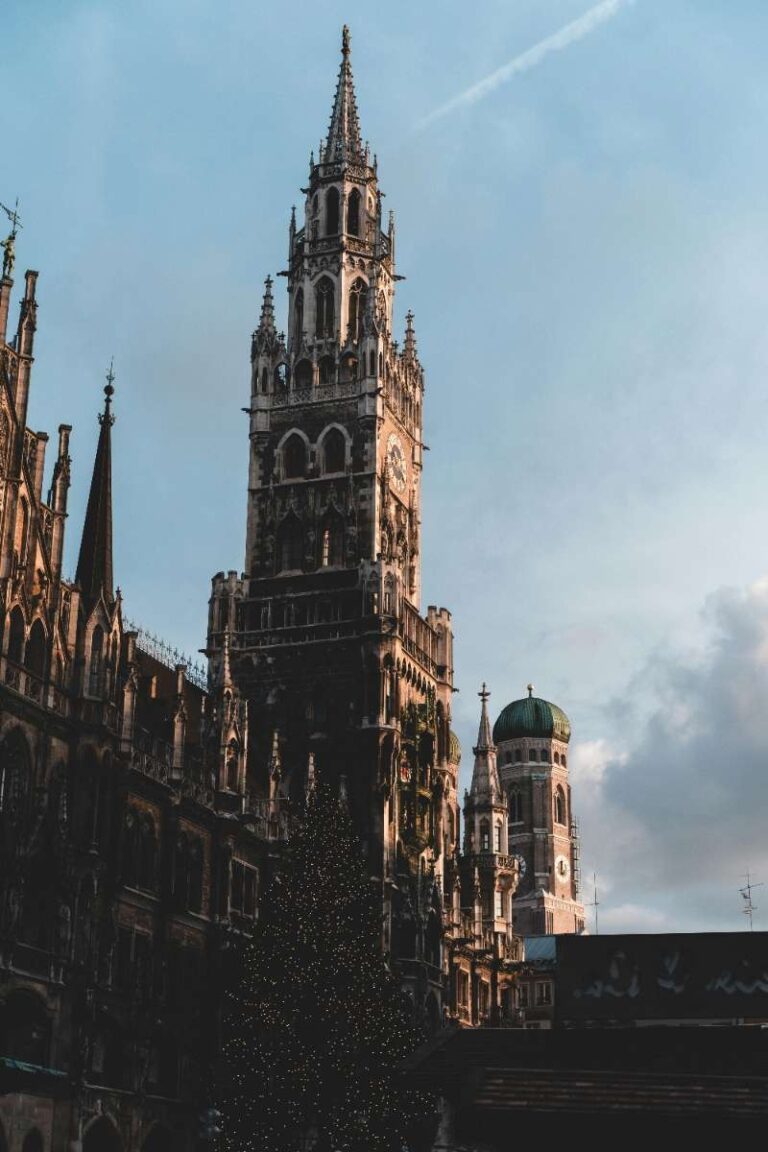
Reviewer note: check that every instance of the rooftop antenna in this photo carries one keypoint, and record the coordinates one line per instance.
(746, 893)
(594, 903)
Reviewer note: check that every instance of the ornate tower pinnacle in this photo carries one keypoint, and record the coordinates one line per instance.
(344, 142)
(267, 318)
(486, 786)
(94, 565)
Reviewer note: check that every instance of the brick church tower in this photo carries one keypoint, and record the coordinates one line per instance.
(323, 638)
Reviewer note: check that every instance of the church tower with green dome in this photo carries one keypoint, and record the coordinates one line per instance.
(532, 737)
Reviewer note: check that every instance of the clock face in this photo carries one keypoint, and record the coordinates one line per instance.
(562, 868)
(396, 459)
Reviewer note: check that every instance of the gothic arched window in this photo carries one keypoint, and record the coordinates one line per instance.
(264, 379)
(497, 837)
(34, 657)
(95, 667)
(290, 545)
(353, 213)
(303, 374)
(515, 806)
(23, 529)
(324, 307)
(358, 294)
(232, 765)
(332, 212)
(485, 836)
(332, 541)
(294, 457)
(559, 806)
(327, 370)
(298, 316)
(16, 636)
(334, 451)
(532, 754)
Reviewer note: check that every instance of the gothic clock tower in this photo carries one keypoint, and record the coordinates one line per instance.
(322, 641)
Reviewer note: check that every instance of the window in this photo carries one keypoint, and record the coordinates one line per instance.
(147, 870)
(332, 212)
(353, 213)
(485, 836)
(497, 838)
(16, 637)
(243, 894)
(298, 317)
(35, 654)
(332, 541)
(557, 757)
(518, 755)
(290, 545)
(23, 529)
(95, 667)
(543, 993)
(327, 370)
(562, 760)
(499, 905)
(462, 989)
(545, 756)
(358, 295)
(522, 995)
(515, 806)
(303, 374)
(559, 806)
(324, 307)
(334, 451)
(281, 377)
(232, 765)
(294, 457)
(532, 755)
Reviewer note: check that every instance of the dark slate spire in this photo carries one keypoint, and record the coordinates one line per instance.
(486, 786)
(94, 565)
(344, 141)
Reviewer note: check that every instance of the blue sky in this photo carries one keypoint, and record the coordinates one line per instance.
(585, 251)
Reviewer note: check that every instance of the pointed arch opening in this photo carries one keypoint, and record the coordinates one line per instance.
(290, 545)
(298, 317)
(332, 212)
(303, 374)
(294, 457)
(334, 451)
(327, 370)
(34, 656)
(16, 636)
(325, 311)
(15, 778)
(102, 1136)
(332, 540)
(358, 296)
(560, 810)
(515, 806)
(353, 213)
(96, 662)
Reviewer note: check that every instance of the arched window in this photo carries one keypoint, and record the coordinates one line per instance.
(562, 760)
(324, 307)
(147, 854)
(518, 755)
(298, 317)
(334, 451)
(559, 805)
(102, 1136)
(348, 370)
(34, 657)
(545, 756)
(557, 757)
(358, 294)
(327, 370)
(95, 667)
(497, 837)
(332, 552)
(25, 1028)
(515, 806)
(281, 377)
(290, 545)
(485, 836)
(303, 374)
(195, 896)
(353, 213)
(532, 754)
(332, 212)
(232, 763)
(22, 531)
(16, 636)
(294, 457)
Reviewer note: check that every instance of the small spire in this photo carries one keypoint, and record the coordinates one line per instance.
(484, 740)
(344, 140)
(267, 318)
(485, 789)
(94, 565)
(409, 349)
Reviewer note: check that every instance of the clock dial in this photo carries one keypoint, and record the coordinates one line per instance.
(396, 459)
(562, 868)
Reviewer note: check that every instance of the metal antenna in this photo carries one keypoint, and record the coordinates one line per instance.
(595, 902)
(746, 893)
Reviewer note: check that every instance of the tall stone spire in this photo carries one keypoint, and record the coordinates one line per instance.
(94, 565)
(267, 318)
(344, 141)
(486, 786)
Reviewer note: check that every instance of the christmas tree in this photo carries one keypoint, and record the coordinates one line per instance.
(316, 1025)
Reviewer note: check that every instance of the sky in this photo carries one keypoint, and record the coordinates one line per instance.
(580, 201)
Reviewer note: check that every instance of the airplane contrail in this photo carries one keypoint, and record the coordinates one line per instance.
(566, 36)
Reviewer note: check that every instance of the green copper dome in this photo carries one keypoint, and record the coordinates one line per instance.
(454, 749)
(532, 717)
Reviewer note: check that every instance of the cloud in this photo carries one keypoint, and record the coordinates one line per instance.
(563, 38)
(675, 819)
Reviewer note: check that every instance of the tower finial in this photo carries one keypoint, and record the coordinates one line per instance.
(343, 141)
(9, 245)
(345, 42)
(530, 690)
(109, 391)
(94, 564)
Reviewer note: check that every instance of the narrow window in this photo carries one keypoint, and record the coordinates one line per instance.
(290, 545)
(294, 457)
(324, 307)
(334, 451)
(298, 317)
(353, 213)
(332, 212)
